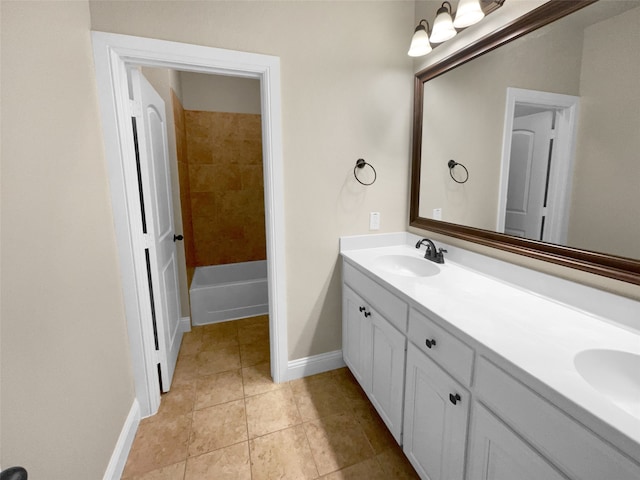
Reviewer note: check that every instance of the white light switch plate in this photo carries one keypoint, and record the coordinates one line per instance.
(374, 221)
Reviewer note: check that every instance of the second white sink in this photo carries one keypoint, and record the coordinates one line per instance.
(406, 266)
(615, 374)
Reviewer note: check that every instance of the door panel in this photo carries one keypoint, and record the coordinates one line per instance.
(528, 165)
(387, 378)
(499, 454)
(156, 185)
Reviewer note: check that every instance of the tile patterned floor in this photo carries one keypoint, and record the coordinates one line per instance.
(225, 419)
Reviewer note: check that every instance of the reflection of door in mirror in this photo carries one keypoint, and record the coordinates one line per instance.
(531, 144)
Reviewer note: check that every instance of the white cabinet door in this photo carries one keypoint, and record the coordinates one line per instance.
(356, 337)
(435, 428)
(496, 453)
(387, 386)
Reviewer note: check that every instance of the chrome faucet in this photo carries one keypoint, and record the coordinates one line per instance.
(433, 254)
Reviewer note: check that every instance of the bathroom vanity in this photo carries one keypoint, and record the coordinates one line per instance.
(486, 370)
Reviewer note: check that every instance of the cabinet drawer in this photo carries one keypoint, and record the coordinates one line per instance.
(453, 355)
(387, 304)
(574, 449)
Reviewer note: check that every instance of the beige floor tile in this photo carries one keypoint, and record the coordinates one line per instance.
(257, 379)
(284, 454)
(186, 369)
(254, 353)
(337, 442)
(252, 321)
(229, 463)
(374, 428)
(172, 472)
(218, 335)
(271, 411)
(217, 427)
(351, 390)
(191, 343)
(319, 397)
(177, 401)
(218, 388)
(218, 360)
(254, 330)
(305, 382)
(396, 465)
(158, 443)
(368, 470)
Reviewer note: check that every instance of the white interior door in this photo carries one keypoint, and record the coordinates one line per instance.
(155, 180)
(528, 166)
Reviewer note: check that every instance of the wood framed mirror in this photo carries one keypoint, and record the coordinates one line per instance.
(623, 267)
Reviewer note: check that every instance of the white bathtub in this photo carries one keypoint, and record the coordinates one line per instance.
(228, 292)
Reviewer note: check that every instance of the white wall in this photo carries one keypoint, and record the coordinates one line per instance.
(67, 384)
(219, 93)
(607, 176)
(346, 94)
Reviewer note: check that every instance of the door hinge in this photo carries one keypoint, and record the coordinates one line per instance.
(136, 108)
(146, 240)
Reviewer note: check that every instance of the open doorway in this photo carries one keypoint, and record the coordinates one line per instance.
(114, 55)
(214, 132)
(537, 165)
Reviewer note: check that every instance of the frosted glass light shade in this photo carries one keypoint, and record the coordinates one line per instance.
(469, 12)
(419, 43)
(442, 27)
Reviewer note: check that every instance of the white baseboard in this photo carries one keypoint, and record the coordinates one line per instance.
(123, 445)
(303, 367)
(185, 324)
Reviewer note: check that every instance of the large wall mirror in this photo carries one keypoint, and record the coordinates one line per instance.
(544, 115)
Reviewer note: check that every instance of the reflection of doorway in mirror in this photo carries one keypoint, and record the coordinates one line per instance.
(535, 184)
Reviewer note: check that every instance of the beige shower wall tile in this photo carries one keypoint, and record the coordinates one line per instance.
(225, 160)
(204, 203)
(212, 178)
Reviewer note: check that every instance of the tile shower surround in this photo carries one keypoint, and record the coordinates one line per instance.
(221, 186)
(225, 419)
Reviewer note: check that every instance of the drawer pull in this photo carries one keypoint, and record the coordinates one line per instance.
(362, 309)
(454, 398)
(367, 314)
(430, 343)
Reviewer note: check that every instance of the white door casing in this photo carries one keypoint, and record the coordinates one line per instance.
(528, 164)
(155, 175)
(113, 54)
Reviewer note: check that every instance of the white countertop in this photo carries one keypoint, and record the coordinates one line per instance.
(538, 335)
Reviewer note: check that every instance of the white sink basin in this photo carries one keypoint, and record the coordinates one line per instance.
(615, 374)
(406, 266)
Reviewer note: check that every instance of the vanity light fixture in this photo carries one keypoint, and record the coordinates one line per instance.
(469, 13)
(443, 28)
(420, 41)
